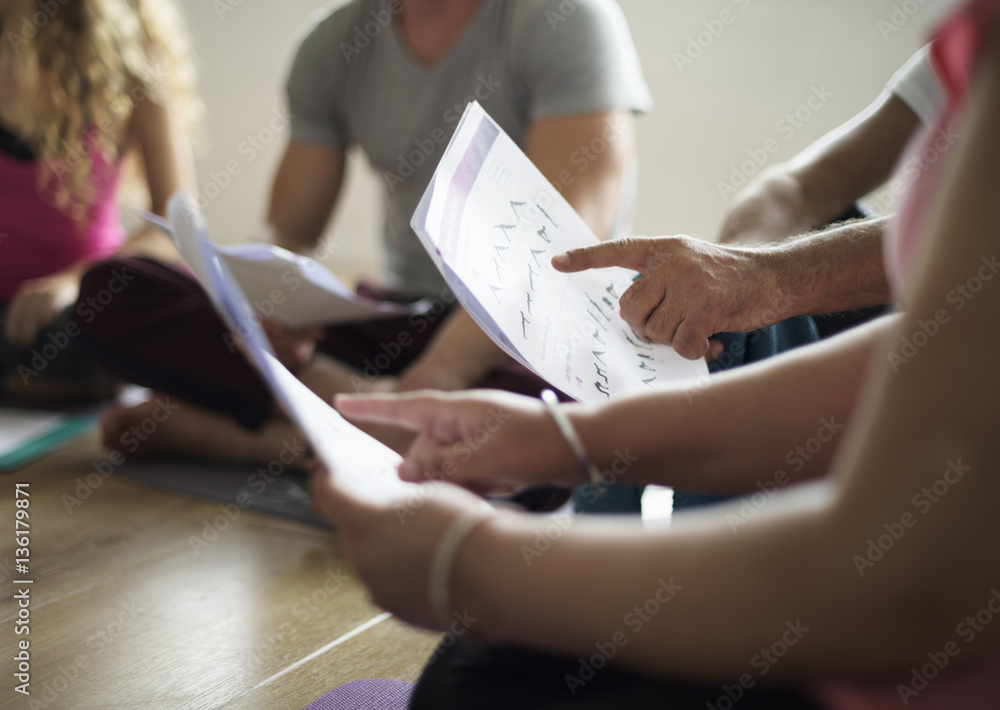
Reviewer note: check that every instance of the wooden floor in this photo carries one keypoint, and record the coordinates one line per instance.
(127, 613)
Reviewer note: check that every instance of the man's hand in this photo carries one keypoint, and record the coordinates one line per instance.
(37, 302)
(689, 289)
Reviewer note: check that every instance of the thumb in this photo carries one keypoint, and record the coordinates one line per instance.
(629, 253)
(413, 411)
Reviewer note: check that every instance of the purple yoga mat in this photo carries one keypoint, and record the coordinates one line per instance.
(375, 694)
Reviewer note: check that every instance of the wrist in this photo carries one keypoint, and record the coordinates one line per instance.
(571, 438)
(448, 548)
(776, 301)
(482, 580)
(595, 437)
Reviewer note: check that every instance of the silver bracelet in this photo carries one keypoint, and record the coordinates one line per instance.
(571, 437)
(444, 558)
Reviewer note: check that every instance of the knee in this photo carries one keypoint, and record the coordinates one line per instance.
(102, 296)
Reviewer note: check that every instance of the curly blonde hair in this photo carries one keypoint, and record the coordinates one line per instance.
(80, 68)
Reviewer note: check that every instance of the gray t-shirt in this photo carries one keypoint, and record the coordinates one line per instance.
(355, 81)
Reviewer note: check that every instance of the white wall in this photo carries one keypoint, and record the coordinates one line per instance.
(709, 113)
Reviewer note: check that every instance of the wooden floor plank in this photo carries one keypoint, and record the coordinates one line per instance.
(128, 612)
(392, 649)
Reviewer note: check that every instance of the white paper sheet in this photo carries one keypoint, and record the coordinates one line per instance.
(294, 289)
(358, 463)
(492, 223)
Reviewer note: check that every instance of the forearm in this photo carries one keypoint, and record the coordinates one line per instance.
(835, 270)
(826, 178)
(556, 147)
(771, 209)
(737, 430)
(664, 601)
(462, 350)
(303, 196)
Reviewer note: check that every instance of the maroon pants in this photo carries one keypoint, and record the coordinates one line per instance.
(158, 328)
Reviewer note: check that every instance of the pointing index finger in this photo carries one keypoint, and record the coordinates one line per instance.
(628, 253)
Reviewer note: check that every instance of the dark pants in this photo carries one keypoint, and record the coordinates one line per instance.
(466, 675)
(58, 353)
(162, 332)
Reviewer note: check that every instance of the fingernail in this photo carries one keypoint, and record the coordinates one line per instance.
(560, 259)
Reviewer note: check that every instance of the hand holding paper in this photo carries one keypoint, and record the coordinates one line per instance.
(359, 465)
(295, 290)
(492, 223)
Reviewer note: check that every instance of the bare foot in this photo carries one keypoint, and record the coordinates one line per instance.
(166, 425)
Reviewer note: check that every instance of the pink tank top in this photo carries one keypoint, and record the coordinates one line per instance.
(37, 238)
(934, 684)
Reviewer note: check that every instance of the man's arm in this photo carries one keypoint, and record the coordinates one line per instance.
(692, 289)
(304, 194)
(461, 353)
(826, 178)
